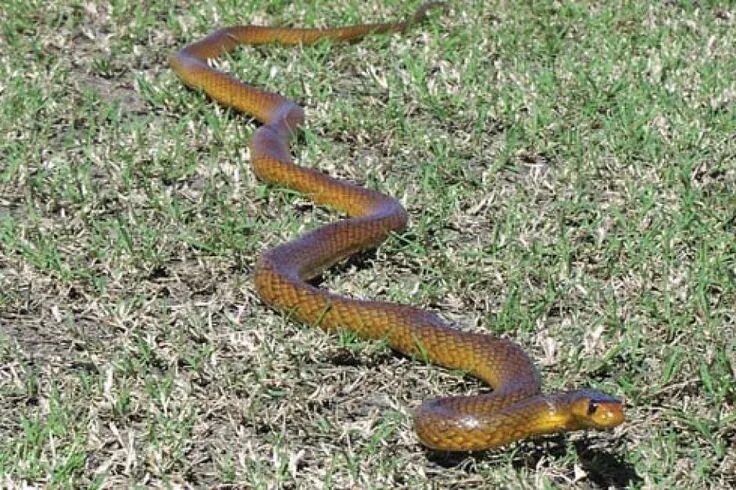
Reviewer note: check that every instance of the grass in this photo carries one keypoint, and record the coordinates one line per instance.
(569, 169)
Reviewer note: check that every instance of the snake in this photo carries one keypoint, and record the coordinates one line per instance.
(516, 408)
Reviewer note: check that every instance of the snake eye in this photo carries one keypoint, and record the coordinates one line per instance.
(592, 407)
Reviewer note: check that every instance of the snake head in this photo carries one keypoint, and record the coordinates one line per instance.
(593, 410)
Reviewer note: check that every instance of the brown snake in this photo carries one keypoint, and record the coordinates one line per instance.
(516, 408)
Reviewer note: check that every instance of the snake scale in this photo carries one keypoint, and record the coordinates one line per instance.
(516, 408)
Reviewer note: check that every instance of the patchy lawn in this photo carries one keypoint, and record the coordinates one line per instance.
(570, 173)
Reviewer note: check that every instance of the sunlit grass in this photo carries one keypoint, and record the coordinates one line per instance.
(569, 172)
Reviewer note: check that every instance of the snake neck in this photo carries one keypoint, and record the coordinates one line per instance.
(447, 424)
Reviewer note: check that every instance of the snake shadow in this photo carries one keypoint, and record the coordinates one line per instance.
(604, 468)
(360, 261)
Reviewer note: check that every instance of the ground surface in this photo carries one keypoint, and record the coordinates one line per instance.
(569, 172)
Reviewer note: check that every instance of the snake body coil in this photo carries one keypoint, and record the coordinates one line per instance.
(516, 408)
